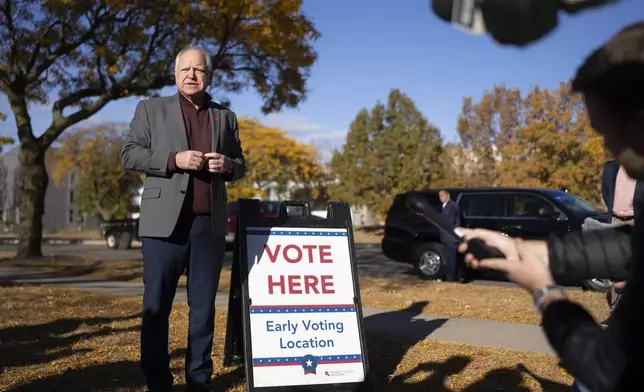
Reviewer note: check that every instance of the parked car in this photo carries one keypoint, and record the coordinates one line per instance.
(521, 212)
(267, 208)
(120, 233)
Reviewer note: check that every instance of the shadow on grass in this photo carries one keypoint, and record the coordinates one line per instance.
(122, 376)
(59, 267)
(38, 344)
(387, 352)
(42, 343)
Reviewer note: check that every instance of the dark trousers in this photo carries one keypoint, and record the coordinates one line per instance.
(452, 269)
(194, 249)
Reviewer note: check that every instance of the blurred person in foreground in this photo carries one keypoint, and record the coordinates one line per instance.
(618, 192)
(611, 81)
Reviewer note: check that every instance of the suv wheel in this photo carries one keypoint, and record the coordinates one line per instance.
(429, 260)
(125, 240)
(112, 241)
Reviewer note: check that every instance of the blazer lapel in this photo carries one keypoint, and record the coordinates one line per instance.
(215, 125)
(176, 123)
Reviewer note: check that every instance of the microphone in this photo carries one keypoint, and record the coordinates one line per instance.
(510, 22)
(479, 249)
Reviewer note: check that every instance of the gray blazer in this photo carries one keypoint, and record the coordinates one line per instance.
(156, 130)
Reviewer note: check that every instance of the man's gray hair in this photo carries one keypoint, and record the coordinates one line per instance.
(203, 51)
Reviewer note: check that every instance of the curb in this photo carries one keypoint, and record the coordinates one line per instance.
(53, 241)
(367, 246)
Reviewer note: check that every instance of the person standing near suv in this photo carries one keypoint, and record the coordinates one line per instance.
(452, 214)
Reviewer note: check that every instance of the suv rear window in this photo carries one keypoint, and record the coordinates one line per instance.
(531, 206)
(483, 205)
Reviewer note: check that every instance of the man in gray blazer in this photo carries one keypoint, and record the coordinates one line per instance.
(188, 147)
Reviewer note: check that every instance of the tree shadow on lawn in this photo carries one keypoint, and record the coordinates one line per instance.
(42, 343)
(33, 345)
(72, 268)
(121, 376)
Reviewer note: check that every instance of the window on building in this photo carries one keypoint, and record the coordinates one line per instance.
(72, 178)
(71, 216)
(71, 197)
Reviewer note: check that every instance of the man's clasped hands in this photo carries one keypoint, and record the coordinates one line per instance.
(526, 263)
(195, 160)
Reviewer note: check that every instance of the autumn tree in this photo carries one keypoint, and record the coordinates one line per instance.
(274, 159)
(102, 187)
(485, 128)
(84, 54)
(390, 149)
(555, 147)
(539, 139)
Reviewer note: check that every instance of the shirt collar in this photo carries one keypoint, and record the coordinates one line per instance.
(206, 101)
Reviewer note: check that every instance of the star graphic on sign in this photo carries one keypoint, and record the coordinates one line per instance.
(309, 363)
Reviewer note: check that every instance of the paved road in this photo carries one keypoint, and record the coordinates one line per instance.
(371, 262)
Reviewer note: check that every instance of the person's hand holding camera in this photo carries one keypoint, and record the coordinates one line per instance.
(525, 262)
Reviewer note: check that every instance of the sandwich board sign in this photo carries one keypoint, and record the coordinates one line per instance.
(294, 315)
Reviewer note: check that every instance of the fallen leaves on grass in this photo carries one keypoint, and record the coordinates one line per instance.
(58, 339)
(372, 235)
(467, 300)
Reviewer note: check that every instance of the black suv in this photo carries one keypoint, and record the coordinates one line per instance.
(520, 212)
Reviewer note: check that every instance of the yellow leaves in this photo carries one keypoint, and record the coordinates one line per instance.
(274, 159)
(93, 155)
(545, 140)
(5, 140)
(113, 70)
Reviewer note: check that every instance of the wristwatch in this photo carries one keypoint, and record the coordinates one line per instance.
(539, 296)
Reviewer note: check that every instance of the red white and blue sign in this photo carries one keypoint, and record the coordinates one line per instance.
(303, 320)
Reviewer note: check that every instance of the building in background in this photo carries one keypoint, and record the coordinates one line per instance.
(61, 212)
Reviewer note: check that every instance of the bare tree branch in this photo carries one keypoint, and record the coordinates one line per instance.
(60, 123)
(65, 49)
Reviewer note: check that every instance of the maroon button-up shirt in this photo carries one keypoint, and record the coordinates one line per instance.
(199, 132)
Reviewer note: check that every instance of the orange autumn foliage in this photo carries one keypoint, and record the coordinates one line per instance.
(273, 159)
(540, 139)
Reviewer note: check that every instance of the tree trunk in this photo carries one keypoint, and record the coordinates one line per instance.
(33, 188)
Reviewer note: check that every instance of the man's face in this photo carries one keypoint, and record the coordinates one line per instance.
(443, 196)
(623, 137)
(191, 73)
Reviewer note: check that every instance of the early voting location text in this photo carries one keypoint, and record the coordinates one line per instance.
(303, 320)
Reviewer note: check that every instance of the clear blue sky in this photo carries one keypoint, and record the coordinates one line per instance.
(370, 46)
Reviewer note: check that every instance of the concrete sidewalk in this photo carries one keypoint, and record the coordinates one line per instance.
(494, 334)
